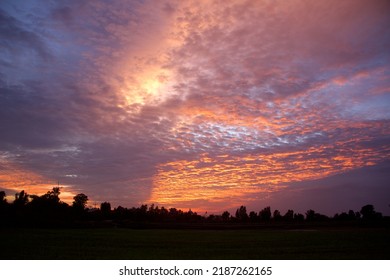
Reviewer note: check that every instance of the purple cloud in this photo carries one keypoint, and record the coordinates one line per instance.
(136, 102)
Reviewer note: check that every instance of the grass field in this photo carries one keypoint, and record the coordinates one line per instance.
(116, 243)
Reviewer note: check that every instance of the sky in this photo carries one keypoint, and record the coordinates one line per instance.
(202, 105)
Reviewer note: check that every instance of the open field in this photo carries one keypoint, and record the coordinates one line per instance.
(113, 243)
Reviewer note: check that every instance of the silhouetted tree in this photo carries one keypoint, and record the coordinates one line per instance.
(253, 217)
(80, 201)
(163, 213)
(368, 212)
(3, 204)
(310, 215)
(191, 216)
(49, 200)
(265, 214)
(225, 216)
(153, 213)
(21, 199)
(2, 197)
(173, 212)
(105, 208)
(241, 214)
(53, 195)
(341, 217)
(358, 215)
(298, 217)
(211, 218)
(289, 216)
(47, 208)
(351, 215)
(142, 212)
(277, 216)
(119, 213)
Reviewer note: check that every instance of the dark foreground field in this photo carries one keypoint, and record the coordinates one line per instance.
(115, 243)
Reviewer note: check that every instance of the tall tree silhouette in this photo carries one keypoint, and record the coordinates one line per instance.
(21, 199)
(241, 214)
(50, 199)
(265, 214)
(3, 200)
(368, 212)
(53, 195)
(105, 208)
(80, 201)
(253, 217)
(3, 204)
(298, 217)
(289, 216)
(225, 216)
(47, 208)
(310, 215)
(277, 216)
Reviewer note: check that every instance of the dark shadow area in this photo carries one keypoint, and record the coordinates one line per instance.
(49, 211)
(44, 227)
(160, 244)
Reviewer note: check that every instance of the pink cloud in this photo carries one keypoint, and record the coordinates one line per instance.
(136, 87)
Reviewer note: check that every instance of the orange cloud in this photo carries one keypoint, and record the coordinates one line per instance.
(15, 178)
(237, 180)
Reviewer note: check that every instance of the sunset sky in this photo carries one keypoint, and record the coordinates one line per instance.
(206, 105)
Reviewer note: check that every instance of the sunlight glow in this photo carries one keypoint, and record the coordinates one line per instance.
(150, 88)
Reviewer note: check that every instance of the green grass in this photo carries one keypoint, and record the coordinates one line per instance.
(193, 244)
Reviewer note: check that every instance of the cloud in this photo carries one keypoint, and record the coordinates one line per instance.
(192, 103)
(17, 39)
(337, 193)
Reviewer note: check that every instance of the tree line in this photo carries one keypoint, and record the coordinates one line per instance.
(49, 210)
